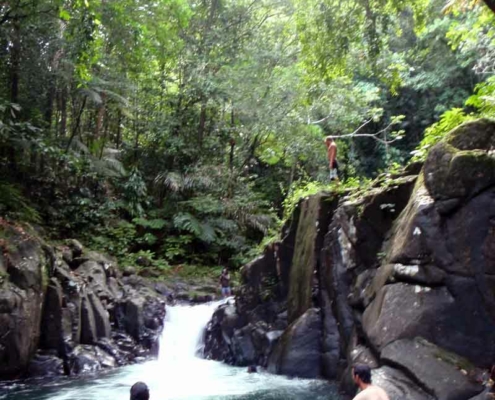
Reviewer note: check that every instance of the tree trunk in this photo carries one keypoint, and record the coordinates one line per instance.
(105, 135)
(232, 141)
(202, 123)
(136, 128)
(76, 125)
(490, 4)
(15, 61)
(52, 88)
(99, 117)
(63, 112)
(119, 131)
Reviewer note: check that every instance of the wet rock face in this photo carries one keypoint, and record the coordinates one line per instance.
(240, 339)
(64, 311)
(397, 385)
(298, 351)
(430, 302)
(350, 258)
(437, 369)
(23, 278)
(267, 302)
(313, 221)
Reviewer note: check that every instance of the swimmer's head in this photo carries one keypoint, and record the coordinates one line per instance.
(140, 391)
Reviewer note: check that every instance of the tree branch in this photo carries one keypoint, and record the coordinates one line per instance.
(374, 136)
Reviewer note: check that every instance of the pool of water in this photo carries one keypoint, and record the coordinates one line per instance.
(203, 380)
(177, 374)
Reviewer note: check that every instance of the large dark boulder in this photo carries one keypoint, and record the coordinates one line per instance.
(434, 368)
(350, 256)
(411, 257)
(398, 386)
(89, 359)
(45, 365)
(450, 257)
(219, 332)
(101, 318)
(298, 351)
(461, 166)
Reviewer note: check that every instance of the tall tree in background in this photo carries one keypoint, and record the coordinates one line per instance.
(191, 120)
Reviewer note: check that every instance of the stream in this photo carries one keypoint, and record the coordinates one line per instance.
(177, 374)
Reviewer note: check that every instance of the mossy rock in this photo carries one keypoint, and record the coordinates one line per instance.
(463, 165)
(479, 134)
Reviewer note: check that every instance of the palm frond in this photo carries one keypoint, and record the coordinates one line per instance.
(180, 183)
(248, 215)
(92, 95)
(79, 147)
(108, 166)
(117, 97)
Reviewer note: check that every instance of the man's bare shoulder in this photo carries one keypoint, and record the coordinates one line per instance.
(372, 393)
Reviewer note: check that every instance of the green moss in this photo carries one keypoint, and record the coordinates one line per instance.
(197, 293)
(303, 261)
(479, 134)
(447, 356)
(454, 173)
(45, 273)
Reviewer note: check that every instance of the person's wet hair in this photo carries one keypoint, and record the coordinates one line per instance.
(140, 391)
(363, 372)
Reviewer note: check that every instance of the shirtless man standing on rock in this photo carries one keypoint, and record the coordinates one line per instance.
(362, 376)
(332, 158)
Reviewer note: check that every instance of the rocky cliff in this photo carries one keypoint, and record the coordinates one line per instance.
(400, 277)
(64, 310)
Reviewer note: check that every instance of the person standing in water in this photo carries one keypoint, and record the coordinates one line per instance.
(332, 157)
(225, 283)
(361, 374)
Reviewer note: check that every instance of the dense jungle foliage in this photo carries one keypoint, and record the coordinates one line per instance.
(174, 132)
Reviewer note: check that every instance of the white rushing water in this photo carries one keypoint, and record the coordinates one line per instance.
(179, 374)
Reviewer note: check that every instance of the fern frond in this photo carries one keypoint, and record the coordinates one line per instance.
(108, 167)
(208, 233)
(189, 223)
(79, 147)
(157, 223)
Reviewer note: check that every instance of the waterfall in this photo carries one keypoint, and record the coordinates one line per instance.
(182, 337)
